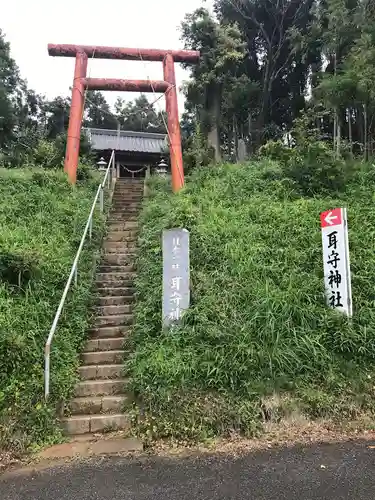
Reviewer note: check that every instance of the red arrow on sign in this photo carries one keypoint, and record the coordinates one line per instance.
(331, 217)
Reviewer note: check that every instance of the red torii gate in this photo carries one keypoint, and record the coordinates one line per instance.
(81, 83)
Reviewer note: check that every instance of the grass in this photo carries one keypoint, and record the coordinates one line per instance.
(258, 329)
(41, 223)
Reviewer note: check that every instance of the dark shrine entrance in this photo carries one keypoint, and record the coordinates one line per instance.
(135, 152)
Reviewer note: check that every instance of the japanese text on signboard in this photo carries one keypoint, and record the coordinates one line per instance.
(176, 276)
(336, 260)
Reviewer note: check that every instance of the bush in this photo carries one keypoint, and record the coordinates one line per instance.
(258, 324)
(197, 152)
(47, 154)
(315, 169)
(312, 166)
(42, 218)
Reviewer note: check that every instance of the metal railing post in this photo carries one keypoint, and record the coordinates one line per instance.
(101, 199)
(114, 169)
(46, 370)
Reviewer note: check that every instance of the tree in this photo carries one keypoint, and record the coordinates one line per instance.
(139, 116)
(222, 55)
(270, 28)
(9, 88)
(56, 114)
(97, 111)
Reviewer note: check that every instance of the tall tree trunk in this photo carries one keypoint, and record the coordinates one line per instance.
(214, 133)
(334, 130)
(336, 126)
(350, 131)
(365, 148)
(264, 104)
(235, 136)
(338, 134)
(359, 128)
(250, 134)
(230, 143)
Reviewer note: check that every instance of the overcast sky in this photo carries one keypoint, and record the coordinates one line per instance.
(30, 25)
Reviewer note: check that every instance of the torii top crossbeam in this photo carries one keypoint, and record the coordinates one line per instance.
(81, 83)
(100, 52)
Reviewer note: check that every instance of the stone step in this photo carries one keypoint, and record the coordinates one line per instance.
(114, 283)
(122, 225)
(128, 235)
(103, 358)
(106, 332)
(98, 405)
(125, 208)
(94, 372)
(115, 300)
(114, 310)
(122, 216)
(119, 259)
(116, 292)
(115, 277)
(100, 387)
(115, 320)
(130, 180)
(128, 190)
(120, 246)
(121, 206)
(115, 268)
(126, 186)
(109, 344)
(125, 200)
(130, 217)
(84, 424)
(127, 197)
(131, 205)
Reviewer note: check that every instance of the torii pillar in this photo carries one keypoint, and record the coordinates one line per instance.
(81, 83)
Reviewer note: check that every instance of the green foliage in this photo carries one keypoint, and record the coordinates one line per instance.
(258, 324)
(197, 152)
(315, 169)
(140, 116)
(263, 63)
(41, 219)
(17, 270)
(310, 164)
(47, 154)
(312, 167)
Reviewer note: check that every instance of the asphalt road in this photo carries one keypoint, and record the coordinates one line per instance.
(339, 471)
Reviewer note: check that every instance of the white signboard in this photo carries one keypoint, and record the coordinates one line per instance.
(176, 275)
(336, 260)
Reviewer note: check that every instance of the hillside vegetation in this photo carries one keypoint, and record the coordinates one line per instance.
(41, 222)
(258, 342)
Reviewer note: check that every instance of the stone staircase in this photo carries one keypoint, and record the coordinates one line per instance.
(100, 396)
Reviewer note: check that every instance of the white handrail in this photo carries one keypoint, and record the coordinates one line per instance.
(74, 270)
